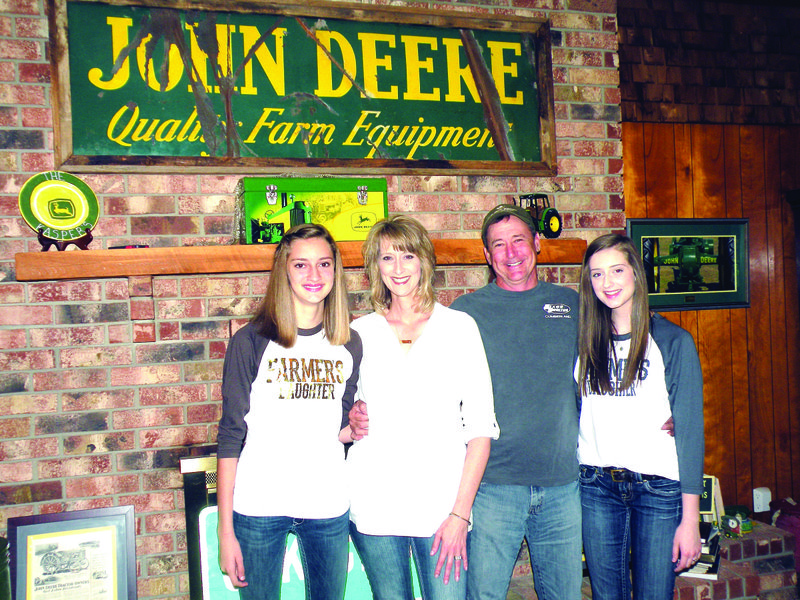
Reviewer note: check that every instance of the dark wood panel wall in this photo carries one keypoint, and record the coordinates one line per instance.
(750, 357)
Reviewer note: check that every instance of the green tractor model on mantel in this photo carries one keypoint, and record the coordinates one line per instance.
(548, 221)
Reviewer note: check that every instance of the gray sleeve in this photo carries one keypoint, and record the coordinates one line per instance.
(239, 370)
(355, 348)
(684, 379)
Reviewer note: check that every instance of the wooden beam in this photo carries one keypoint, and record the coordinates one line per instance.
(192, 260)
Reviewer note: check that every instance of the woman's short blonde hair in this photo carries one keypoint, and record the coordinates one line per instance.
(275, 317)
(407, 235)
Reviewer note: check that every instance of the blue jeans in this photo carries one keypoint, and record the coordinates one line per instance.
(628, 529)
(324, 552)
(386, 560)
(548, 518)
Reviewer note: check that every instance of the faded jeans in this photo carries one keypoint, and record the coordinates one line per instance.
(549, 518)
(628, 529)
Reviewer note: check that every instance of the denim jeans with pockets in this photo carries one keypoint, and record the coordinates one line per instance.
(549, 518)
(628, 529)
(324, 552)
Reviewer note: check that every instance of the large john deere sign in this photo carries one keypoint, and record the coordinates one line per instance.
(316, 88)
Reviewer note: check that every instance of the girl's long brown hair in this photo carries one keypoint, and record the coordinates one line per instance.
(595, 347)
(275, 316)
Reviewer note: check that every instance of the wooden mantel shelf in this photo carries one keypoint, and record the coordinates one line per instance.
(188, 260)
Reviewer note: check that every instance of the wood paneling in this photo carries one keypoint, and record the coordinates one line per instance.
(749, 356)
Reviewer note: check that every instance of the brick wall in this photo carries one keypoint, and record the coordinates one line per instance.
(105, 383)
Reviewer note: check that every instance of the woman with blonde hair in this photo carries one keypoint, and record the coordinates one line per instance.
(413, 494)
(275, 475)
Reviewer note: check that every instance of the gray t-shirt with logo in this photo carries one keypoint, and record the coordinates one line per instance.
(530, 340)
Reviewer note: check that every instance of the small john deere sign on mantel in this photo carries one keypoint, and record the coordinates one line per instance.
(313, 87)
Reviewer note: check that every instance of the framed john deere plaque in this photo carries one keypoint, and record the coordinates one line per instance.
(308, 87)
(87, 554)
(692, 264)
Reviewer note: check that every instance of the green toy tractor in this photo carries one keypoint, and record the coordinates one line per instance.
(547, 220)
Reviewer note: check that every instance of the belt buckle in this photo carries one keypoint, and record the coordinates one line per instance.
(619, 475)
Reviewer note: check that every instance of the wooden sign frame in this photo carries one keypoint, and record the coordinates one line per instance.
(508, 141)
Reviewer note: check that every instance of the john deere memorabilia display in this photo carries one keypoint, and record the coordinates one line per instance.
(694, 263)
(546, 218)
(60, 208)
(269, 206)
(319, 85)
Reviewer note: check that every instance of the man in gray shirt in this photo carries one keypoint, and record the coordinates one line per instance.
(530, 489)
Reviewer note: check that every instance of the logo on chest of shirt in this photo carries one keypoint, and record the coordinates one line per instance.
(305, 378)
(557, 311)
(617, 370)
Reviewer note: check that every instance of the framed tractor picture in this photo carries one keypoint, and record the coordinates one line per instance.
(694, 263)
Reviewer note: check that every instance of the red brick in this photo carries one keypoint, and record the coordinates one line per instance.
(215, 286)
(204, 413)
(149, 185)
(173, 436)
(175, 394)
(29, 315)
(144, 332)
(104, 485)
(165, 288)
(150, 502)
(162, 480)
(158, 227)
(20, 50)
(150, 375)
(15, 428)
(155, 587)
(169, 331)
(119, 334)
(96, 356)
(31, 28)
(21, 7)
(117, 290)
(19, 404)
(15, 472)
(12, 293)
(203, 371)
(181, 309)
(147, 417)
(44, 491)
(140, 286)
(86, 291)
(204, 330)
(12, 338)
(38, 161)
(142, 309)
(74, 467)
(28, 448)
(153, 544)
(22, 94)
(174, 521)
(99, 442)
(213, 203)
(72, 379)
(215, 349)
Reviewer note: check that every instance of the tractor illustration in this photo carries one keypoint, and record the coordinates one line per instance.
(62, 561)
(688, 259)
(547, 220)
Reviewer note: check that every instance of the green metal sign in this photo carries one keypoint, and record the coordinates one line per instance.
(315, 89)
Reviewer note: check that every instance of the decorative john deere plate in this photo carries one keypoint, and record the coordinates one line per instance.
(58, 206)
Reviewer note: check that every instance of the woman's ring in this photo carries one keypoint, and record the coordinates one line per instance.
(458, 557)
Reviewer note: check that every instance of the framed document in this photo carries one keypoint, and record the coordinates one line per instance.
(87, 554)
